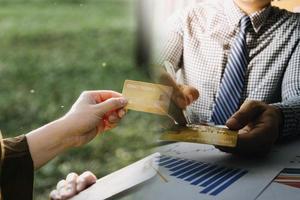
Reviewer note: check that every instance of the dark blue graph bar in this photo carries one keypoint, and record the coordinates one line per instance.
(201, 172)
(161, 160)
(183, 170)
(220, 181)
(228, 183)
(168, 162)
(181, 166)
(189, 173)
(207, 176)
(175, 164)
(216, 177)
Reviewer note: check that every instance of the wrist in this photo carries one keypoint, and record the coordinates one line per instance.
(47, 142)
(279, 116)
(68, 137)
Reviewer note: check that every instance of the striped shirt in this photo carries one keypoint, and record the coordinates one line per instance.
(200, 40)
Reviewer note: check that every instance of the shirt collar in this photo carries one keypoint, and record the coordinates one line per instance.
(234, 15)
(259, 18)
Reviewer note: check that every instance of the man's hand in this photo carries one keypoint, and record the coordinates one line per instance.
(73, 185)
(183, 95)
(258, 125)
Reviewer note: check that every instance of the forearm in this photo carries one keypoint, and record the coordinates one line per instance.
(291, 116)
(48, 141)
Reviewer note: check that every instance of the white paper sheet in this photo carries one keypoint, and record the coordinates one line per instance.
(121, 180)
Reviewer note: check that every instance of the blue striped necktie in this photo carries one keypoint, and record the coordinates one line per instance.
(232, 84)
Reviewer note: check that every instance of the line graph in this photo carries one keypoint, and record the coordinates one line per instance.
(211, 179)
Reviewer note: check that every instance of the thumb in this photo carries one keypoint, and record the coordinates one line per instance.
(110, 105)
(247, 112)
(190, 92)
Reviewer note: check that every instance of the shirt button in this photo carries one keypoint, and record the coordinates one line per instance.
(226, 46)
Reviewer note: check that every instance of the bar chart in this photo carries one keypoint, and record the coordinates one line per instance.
(211, 179)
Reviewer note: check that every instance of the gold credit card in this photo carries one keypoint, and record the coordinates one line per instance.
(147, 97)
(202, 134)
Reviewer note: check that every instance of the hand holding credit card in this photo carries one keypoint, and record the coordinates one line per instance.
(152, 98)
(202, 134)
(156, 99)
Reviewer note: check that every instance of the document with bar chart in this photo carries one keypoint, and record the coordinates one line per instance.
(190, 171)
(193, 171)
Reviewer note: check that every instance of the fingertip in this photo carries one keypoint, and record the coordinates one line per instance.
(61, 184)
(233, 124)
(92, 180)
(71, 177)
(88, 174)
(54, 195)
(113, 118)
(111, 104)
(123, 101)
(121, 113)
(80, 184)
(85, 180)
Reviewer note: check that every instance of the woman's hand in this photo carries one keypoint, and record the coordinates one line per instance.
(72, 185)
(94, 112)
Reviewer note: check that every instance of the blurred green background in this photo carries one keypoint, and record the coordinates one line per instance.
(50, 51)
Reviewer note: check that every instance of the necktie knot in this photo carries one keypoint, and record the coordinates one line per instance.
(245, 23)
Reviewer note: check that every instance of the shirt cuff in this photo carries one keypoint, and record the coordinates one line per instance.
(290, 119)
(17, 169)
